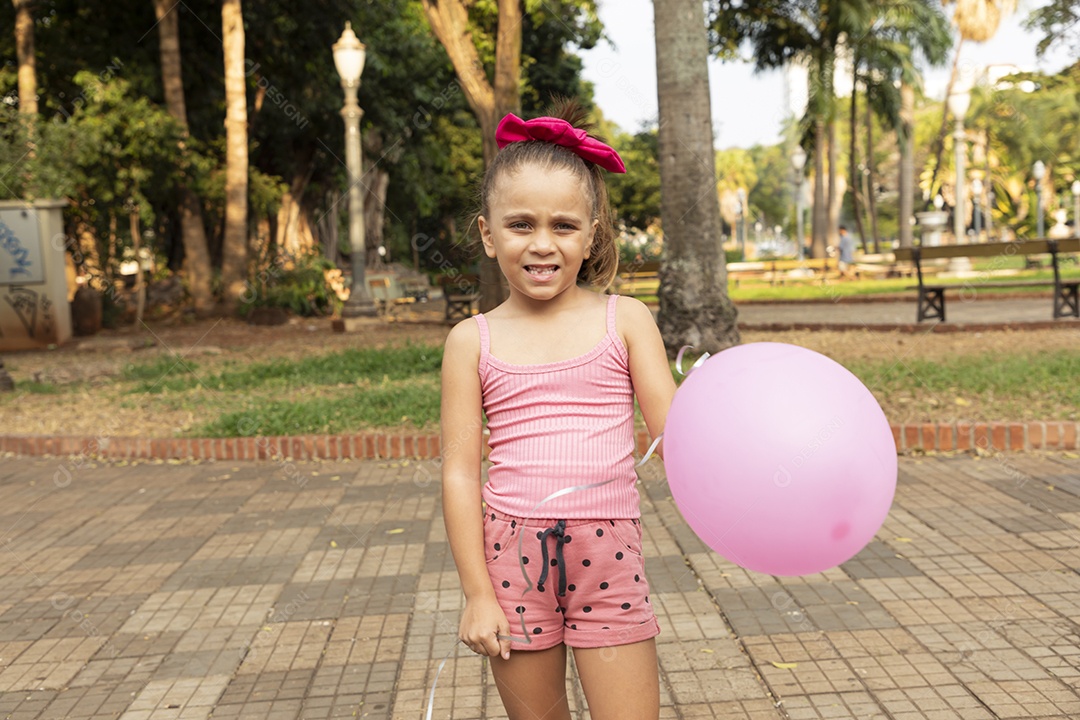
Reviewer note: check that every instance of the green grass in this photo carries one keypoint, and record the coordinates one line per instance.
(1024, 374)
(1015, 386)
(41, 388)
(399, 388)
(159, 368)
(329, 393)
(333, 369)
(394, 404)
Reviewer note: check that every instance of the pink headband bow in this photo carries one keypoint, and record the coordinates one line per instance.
(559, 132)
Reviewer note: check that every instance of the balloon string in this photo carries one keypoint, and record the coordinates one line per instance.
(695, 366)
(431, 696)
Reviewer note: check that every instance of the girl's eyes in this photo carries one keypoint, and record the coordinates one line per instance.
(522, 225)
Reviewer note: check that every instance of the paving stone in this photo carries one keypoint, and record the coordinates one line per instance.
(669, 573)
(327, 590)
(217, 572)
(92, 702)
(880, 560)
(437, 557)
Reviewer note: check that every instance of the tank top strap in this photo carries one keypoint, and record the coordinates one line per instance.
(485, 343)
(612, 300)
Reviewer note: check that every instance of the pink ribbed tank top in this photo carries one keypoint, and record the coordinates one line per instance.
(561, 424)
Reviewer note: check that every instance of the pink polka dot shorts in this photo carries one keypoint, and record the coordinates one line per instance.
(587, 576)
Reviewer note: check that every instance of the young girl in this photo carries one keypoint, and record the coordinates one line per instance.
(554, 369)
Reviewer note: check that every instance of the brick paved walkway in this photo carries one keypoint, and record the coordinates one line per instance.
(326, 590)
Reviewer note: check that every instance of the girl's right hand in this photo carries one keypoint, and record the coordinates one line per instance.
(484, 628)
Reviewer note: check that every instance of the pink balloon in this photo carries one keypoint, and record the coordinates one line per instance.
(779, 459)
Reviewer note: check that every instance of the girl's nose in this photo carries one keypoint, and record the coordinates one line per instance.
(542, 242)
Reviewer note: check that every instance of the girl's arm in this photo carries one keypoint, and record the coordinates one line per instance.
(461, 453)
(649, 369)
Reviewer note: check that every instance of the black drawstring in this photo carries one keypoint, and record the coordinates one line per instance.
(560, 540)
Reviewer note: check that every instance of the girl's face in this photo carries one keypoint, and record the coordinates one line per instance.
(540, 228)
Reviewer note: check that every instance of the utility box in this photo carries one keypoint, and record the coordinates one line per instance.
(34, 310)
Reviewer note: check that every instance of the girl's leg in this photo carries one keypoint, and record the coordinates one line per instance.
(620, 682)
(532, 683)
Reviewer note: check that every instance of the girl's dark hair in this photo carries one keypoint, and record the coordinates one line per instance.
(603, 263)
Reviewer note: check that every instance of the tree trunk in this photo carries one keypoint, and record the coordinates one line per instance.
(449, 21)
(907, 162)
(833, 202)
(820, 214)
(328, 230)
(192, 229)
(293, 233)
(24, 49)
(939, 141)
(234, 250)
(694, 305)
(871, 196)
(853, 164)
(378, 180)
(140, 286)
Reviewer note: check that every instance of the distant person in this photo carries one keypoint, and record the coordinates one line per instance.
(847, 252)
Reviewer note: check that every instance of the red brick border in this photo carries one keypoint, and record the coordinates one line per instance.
(389, 446)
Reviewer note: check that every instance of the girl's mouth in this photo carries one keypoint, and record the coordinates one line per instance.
(541, 272)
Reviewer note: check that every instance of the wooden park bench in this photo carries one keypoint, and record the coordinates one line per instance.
(388, 293)
(461, 292)
(642, 279)
(637, 279)
(776, 272)
(932, 296)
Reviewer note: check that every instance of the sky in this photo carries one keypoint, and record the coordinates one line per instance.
(748, 108)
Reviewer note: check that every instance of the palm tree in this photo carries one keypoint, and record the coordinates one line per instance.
(977, 21)
(809, 32)
(192, 229)
(884, 63)
(694, 305)
(234, 260)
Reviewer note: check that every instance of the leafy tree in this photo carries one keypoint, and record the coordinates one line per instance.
(635, 195)
(485, 40)
(113, 156)
(769, 197)
(421, 141)
(808, 32)
(975, 21)
(1020, 127)
(1059, 23)
(884, 62)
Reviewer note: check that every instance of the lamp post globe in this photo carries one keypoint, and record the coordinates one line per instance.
(349, 55)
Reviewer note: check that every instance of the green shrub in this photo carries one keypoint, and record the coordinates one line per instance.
(301, 289)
